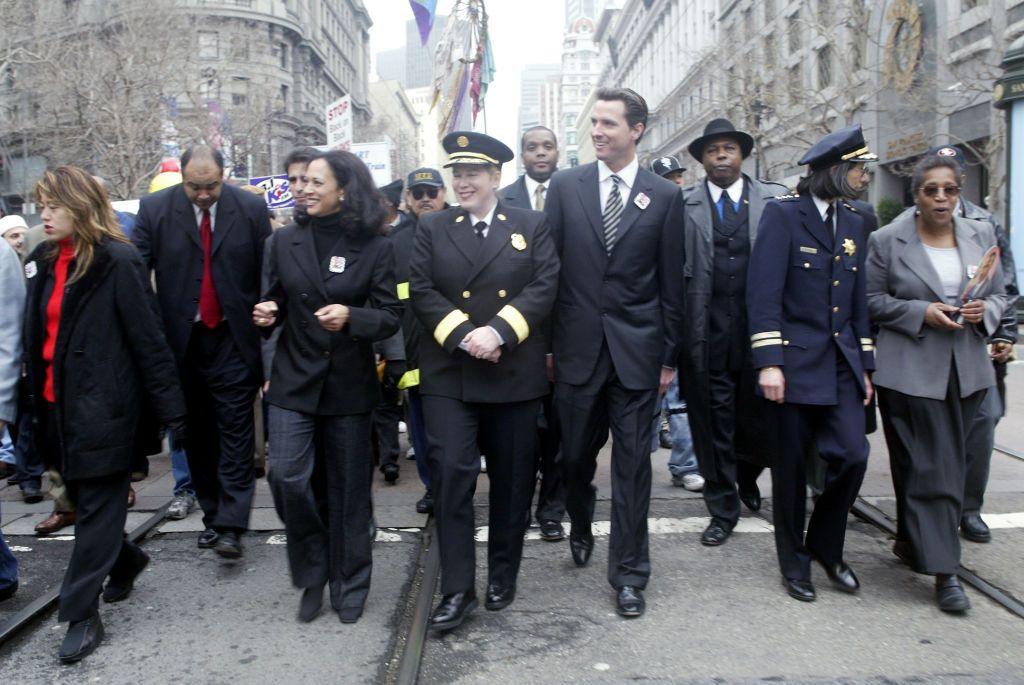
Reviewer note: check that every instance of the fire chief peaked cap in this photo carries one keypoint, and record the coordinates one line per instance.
(469, 147)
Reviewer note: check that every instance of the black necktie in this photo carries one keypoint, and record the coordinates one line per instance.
(728, 209)
(480, 227)
(829, 213)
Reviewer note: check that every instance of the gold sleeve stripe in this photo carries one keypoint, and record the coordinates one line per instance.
(764, 343)
(403, 291)
(409, 379)
(516, 320)
(867, 341)
(766, 335)
(867, 348)
(448, 324)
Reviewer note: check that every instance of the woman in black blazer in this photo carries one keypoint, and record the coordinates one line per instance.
(94, 351)
(332, 288)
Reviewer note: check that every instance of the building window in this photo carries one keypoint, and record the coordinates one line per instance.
(825, 67)
(285, 101)
(966, 5)
(240, 48)
(281, 50)
(769, 50)
(209, 45)
(769, 10)
(748, 22)
(238, 99)
(794, 33)
(795, 84)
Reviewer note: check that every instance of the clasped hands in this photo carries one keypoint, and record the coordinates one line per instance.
(483, 343)
(331, 317)
(939, 314)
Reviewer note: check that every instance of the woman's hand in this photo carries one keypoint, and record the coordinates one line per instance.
(332, 317)
(773, 384)
(974, 311)
(935, 316)
(483, 343)
(265, 314)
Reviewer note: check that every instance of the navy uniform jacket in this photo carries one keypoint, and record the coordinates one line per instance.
(806, 297)
(458, 284)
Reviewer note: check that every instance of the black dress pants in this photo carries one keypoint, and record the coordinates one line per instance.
(981, 438)
(336, 548)
(101, 548)
(551, 497)
(456, 432)
(220, 390)
(585, 415)
(927, 455)
(838, 432)
(732, 404)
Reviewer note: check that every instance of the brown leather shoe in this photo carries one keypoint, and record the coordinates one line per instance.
(56, 521)
(131, 497)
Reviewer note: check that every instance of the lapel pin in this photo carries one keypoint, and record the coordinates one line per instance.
(31, 270)
(642, 201)
(501, 217)
(518, 241)
(337, 265)
(459, 219)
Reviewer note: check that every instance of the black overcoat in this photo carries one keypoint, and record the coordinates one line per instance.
(111, 355)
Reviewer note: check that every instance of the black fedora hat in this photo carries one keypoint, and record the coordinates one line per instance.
(718, 128)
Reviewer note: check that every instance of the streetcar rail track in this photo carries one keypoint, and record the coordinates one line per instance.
(1009, 451)
(878, 518)
(404, 666)
(39, 606)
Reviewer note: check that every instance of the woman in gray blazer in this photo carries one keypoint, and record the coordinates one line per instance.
(932, 364)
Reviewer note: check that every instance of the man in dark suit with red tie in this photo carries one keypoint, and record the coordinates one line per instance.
(617, 329)
(204, 241)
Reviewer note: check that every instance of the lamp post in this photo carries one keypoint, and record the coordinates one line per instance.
(758, 108)
(1009, 95)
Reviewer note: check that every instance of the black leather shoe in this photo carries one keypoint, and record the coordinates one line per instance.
(312, 600)
(974, 529)
(118, 588)
(630, 603)
(499, 597)
(350, 614)
(30, 494)
(452, 610)
(950, 594)
(751, 497)
(8, 592)
(426, 503)
(581, 548)
(840, 573)
(208, 538)
(390, 473)
(800, 589)
(552, 531)
(714, 535)
(228, 545)
(81, 639)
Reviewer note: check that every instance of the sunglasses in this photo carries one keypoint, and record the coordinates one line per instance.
(429, 191)
(948, 190)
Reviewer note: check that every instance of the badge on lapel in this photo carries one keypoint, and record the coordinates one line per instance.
(518, 241)
(337, 265)
(850, 247)
(642, 200)
(31, 270)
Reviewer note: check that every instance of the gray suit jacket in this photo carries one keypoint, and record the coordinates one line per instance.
(12, 309)
(911, 357)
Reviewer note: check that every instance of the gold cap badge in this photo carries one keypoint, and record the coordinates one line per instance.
(850, 247)
(518, 241)
(462, 141)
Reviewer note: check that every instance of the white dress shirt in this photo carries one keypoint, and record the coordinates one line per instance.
(627, 177)
(531, 189)
(735, 191)
(487, 219)
(199, 216)
(823, 210)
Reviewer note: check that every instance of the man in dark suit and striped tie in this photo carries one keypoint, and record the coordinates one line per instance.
(617, 330)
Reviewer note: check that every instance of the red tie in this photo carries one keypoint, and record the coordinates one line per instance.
(209, 305)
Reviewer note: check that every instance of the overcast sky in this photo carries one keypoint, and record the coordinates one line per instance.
(522, 32)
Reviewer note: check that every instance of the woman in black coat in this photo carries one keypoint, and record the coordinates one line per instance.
(332, 288)
(94, 350)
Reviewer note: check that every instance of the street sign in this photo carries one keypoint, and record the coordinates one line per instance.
(338, 118)
(277, 193)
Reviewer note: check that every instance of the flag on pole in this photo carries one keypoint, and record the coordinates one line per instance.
(463, 67)
(424, 11)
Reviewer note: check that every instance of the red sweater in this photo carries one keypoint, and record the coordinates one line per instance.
(60, 277)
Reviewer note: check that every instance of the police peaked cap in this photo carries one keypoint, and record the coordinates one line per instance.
(469, 147)
(845, 145)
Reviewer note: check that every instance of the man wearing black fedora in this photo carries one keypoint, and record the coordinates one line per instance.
(721, 214)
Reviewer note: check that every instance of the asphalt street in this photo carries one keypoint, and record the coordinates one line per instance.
(715, 615)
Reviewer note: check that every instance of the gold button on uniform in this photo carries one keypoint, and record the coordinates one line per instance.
(465, 294)
(835, 309)
(854, 269)
(785, 342)
(836, 334)
(836, 283)
(837, 258)
(502, 293)
(807, 265)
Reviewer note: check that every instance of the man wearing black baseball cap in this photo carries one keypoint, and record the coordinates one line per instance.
(981, 435)
(424, 191)
(669, 169)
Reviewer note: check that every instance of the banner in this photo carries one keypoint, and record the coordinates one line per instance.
(338, 119)
(377, 158)
(277, 192)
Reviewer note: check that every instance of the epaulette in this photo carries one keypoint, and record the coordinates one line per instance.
(772, 183)
(850, 207)
(789, 198)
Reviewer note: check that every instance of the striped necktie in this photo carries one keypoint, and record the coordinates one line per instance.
(612, 215)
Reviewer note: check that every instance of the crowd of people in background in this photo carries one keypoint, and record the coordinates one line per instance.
(508, 329)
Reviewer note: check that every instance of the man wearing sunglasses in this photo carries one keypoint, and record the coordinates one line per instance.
(981, 435)
(425, 193)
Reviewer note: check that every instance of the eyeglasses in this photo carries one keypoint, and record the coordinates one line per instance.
(949, 190)
(430, 191)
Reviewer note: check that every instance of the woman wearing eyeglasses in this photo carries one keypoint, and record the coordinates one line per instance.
(932, 366)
